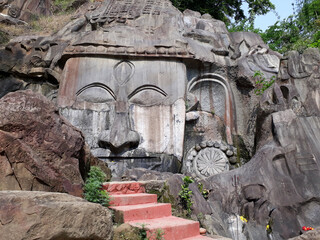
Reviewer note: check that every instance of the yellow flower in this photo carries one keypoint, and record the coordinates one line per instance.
(268, 227)
(243, 219)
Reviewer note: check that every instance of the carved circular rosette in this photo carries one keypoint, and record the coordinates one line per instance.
(209, 158)
(14, 11)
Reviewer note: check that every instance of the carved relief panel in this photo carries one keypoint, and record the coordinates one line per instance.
(126, 109)
(209, 127)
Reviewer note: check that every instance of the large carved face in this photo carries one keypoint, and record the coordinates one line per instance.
(129, 111)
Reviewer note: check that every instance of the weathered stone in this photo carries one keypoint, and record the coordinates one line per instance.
(40, 150)
(126, 231)
(233, 160)
(9, 84)
(191, 116)
(288, 164)
(22, 11)
(229, 153)
(40, 215)
(309, 235)
(223, 148)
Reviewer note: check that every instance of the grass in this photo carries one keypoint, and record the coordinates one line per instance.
(44, 26)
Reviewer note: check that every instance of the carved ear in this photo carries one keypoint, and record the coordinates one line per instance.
(192, 102)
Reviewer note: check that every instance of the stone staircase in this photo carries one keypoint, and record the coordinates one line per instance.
(132, 205)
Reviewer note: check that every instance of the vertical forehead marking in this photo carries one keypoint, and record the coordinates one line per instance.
(123, 72)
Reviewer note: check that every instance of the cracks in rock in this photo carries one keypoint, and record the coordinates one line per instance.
(13, 173)
(41, 182)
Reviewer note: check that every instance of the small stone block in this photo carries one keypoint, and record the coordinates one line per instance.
(229, 153)
(197, 147)
(203, 231)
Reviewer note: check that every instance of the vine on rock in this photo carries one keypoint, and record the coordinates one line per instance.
(185, 194)
(262, 83)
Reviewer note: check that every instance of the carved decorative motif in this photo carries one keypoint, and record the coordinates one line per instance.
(121, 11)
(210, 161)
(125, 51)
(123, 71)
(209, 158)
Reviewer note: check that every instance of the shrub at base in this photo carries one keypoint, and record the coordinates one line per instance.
(93, 191)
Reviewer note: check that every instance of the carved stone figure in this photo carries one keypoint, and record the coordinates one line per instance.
(128, 110)
(151, 87)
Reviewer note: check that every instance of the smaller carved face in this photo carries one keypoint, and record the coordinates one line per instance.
(3, 2)
(121, 105)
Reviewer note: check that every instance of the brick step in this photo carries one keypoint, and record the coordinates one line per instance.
(114, 188)
(128, 213)
(132, 199)
(174, 228)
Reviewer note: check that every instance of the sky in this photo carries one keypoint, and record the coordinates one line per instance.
(283, 8)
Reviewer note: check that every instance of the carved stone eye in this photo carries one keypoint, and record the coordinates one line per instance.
(96, 93)
(147, 95)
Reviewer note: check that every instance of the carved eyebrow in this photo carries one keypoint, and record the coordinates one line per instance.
(97, 84)
(147, 87)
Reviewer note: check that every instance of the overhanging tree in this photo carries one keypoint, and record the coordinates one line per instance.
(227, 9)
(298, 31)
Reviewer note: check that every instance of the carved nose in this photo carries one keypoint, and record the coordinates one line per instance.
(120, 137)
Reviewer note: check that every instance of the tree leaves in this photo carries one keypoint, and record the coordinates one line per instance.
(225, 10)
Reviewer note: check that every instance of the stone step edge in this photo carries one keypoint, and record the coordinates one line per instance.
(171, 225)
(123, 214)
(132, 199)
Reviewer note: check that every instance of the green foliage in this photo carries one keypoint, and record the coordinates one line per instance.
(245, 25)
(262, 83)
(224, 10)
(143, 232)
(157, 235)
(298, 31)
(93, 191)
(185, 194)
(4, 38)
(63, 4)
(204, 192)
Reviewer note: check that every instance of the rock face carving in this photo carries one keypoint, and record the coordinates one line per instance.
(209, 158)
(152, 87)
(132, 108)
(210, 161)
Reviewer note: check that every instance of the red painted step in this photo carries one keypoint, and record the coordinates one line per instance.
(132, 205)
(132, 199)
(173, 227)
(141, 211)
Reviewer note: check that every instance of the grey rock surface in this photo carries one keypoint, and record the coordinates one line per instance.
(288, 164)
(309, 235)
